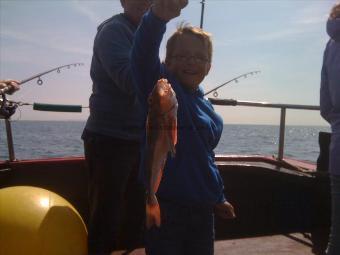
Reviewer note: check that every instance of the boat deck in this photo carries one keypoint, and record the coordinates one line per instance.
(292, 244)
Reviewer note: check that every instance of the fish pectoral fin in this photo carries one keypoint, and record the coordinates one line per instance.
(172, 136)
(174, 131)
(153, 212)
(171, 142)
(172, 151)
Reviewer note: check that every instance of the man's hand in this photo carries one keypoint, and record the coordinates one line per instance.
(168, 9)
(13, 85)
(225, 210)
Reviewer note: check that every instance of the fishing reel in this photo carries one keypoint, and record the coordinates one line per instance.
(7, 107)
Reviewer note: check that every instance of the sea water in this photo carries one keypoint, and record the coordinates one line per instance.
(43, 139)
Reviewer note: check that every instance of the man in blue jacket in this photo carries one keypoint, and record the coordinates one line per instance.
(330, 111)
(112, 135)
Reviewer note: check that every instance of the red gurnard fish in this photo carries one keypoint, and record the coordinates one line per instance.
(161, 139)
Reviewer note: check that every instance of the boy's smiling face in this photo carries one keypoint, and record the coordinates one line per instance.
(189, 61)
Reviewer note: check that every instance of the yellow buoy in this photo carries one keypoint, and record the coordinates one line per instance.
(35, 221)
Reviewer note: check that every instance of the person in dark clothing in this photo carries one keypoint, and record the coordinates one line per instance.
(330, 111)
(112, 136)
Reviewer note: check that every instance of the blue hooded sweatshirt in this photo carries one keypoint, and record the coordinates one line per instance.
(114, 107)
(191, 177)
(330, 91)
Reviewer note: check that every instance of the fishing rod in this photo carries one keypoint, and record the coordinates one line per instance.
(234, 79)
(202, 13)
(40, 82)
(7, 107)
(39, 75)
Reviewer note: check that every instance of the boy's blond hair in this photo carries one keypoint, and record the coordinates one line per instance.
(335, 12)
(185, 28)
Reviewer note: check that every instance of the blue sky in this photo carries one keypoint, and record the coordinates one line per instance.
(284, 39)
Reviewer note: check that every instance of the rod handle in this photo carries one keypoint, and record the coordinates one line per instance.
(57, 107)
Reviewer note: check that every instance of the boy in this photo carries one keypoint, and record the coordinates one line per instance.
(191, 186)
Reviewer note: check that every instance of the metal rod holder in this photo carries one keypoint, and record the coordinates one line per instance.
(11, 154)
(282, 133)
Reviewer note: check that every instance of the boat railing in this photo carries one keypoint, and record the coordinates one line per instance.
(215, 101)
(282, 107)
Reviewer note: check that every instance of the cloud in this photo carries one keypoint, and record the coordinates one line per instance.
(87, 9)
(303, 21)
(313, 20)
(279, 35)
(224, 43)
(96, 12)
(312, 15)
(51, 41)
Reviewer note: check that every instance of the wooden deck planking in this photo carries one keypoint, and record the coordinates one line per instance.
(293, 244)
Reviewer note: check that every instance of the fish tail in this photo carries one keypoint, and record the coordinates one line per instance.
(153, 212)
